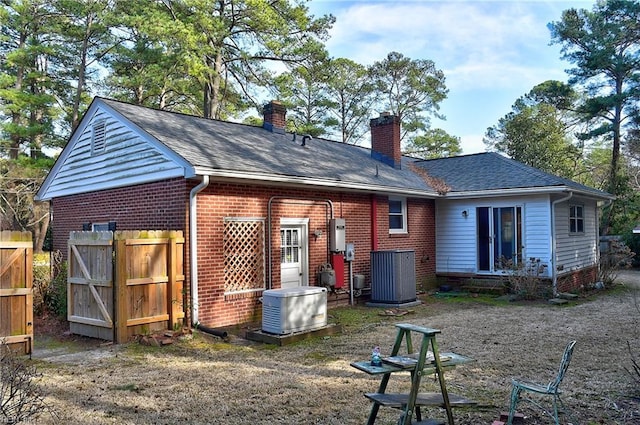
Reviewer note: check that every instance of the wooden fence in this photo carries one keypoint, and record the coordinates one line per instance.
(123, 284)
(16, 290)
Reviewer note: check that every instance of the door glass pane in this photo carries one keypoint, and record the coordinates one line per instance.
(289, 246)
(503, 227)
(484, 239)
(519, 235)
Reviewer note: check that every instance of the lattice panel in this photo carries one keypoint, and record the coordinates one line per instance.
(244, 256)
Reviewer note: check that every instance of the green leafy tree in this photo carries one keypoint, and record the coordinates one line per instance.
(351, 94)
(410, 89)
(603, 46)
(227, 44)
(535, 132)
(81, 30)
(434, 143)
(149, 65)
(28, 112)
(302, 92)
(28, 106)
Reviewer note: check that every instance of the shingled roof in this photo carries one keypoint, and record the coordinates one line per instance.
(212, 146)
(494, 173)
(188, 146)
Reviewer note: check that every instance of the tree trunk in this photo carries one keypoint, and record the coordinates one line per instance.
(82, 67)
(41, 227)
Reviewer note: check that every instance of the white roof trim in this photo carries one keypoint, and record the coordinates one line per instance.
(44, 193)
(247, 177)
(523, 191)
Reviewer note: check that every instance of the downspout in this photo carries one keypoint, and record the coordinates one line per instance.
(193, 246)
(554, 260)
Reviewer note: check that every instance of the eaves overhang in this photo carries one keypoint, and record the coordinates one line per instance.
(526, 191)
(245, 177)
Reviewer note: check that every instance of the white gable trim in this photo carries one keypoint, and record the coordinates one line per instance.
(131, 156)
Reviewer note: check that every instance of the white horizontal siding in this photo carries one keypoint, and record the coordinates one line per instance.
(537, 230)
(456, 236)
(129, 158)
(456, 248)
(578, 250)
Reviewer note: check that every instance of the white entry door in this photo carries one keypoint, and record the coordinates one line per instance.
(293, 255)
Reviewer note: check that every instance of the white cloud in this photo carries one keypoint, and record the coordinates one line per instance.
(472, 143)
(473, 42)
(491, 52)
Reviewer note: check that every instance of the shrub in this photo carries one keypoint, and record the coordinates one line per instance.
(41, 281)
(618, 256)
(523, 279)
(50, 286)
(20, 397)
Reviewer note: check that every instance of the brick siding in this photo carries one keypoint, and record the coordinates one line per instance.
(164, 205)
(578, 279)
(153, 206)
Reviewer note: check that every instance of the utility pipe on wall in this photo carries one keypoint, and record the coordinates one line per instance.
(295, 200)
(554, 259)
(374, 223)
(193, 246)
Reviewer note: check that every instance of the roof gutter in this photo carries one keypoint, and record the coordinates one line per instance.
(521, 191)
(193, 246)
(299, 181)
(554, 260)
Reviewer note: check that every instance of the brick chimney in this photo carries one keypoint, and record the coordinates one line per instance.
(274, 117)
(385, 139)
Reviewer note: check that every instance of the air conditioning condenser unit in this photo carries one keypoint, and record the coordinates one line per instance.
(288, 310)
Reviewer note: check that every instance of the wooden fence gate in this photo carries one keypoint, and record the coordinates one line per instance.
(16, 290)
(125, 283)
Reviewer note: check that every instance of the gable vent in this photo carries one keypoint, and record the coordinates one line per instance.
(98, 138)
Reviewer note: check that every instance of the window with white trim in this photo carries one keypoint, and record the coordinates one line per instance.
(397, 215)
(576, 219)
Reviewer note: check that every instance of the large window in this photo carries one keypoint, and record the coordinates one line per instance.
(576, 219)
(397, 215)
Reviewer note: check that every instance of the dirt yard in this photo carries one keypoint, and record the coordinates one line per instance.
(203, 380)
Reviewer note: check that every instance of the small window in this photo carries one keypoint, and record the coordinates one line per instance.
(100, 227)
(576, 219)
(98, 137)
(397, 215)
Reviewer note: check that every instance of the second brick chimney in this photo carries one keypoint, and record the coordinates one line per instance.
(275, 117)
(385, 139)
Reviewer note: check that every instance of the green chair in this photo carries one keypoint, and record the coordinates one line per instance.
(551, 389)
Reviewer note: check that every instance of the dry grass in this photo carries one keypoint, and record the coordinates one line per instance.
(205, 381)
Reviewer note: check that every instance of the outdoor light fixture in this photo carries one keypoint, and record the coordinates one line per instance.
(465, 213)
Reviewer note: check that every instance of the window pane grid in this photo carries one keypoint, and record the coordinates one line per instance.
(289, 246)
(397, 215)
(576, 219)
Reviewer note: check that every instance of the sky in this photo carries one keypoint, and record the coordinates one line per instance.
(491, 52)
